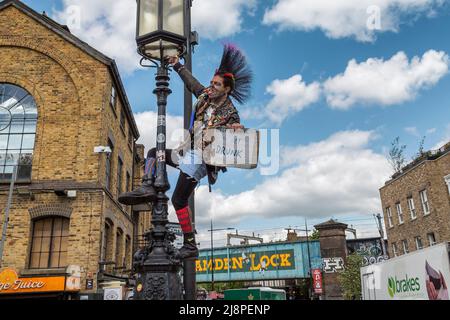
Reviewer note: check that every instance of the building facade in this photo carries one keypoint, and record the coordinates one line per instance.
(416, 203)
(59, 100)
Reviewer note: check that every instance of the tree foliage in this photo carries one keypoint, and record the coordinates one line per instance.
(314, 235)
(350, 278)
(420, 152)
(396, 155)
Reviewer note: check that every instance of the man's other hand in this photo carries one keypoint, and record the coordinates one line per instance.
(235, 126)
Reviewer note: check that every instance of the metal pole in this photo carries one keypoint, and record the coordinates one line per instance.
(6, 220)
(189, 280)
(158, 270)
(380, 229)
(309, 260)
(212, 258)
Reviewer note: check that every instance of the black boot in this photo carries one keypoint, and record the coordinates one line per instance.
(144, 194)
(189, 248)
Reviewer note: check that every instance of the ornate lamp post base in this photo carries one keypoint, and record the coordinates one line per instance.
(157, 268)
(158, 274)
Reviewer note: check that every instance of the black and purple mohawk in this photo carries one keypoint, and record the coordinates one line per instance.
(236, 73)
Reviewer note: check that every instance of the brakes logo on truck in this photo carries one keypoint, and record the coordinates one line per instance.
(403, 286)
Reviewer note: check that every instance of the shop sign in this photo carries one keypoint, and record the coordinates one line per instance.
(114, 293)
(10, 283)
(317, 281)
(89, 284)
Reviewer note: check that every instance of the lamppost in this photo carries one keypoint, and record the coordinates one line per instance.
(5, 122)
(160, 33)
(212, 252)
(309, 257)
(380, 229)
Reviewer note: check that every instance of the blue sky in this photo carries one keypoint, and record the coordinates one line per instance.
(336, 121)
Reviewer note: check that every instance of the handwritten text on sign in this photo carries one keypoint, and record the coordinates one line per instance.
(231, 148)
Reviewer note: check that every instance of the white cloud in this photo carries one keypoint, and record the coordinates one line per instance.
(107, 25)
(337, 176)
(389, 82)
(290, 96)
(412, 131)
(349, 18)
(374, 81)
(147, 125)
(445, 139)
(110, 25)
(214, 19)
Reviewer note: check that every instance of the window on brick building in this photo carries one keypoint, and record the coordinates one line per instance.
(119, 251)
(425, 203)
(389, 215)
(128, 182)
(399, 213)
(119, 175)
(405, 246)
(128, 251)
(106, 254)
(49, 243)
(394, 249)
(130, 137)
(109, 166)
(18, 119)
(431, 239)
(447, 181)
(122, 120)
(104, 243)
(113, 100)
(418, 241)
(412, 208)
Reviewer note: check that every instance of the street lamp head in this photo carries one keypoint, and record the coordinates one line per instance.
(161, 28)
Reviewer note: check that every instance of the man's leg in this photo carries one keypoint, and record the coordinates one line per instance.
(180, 200)
(146, 193)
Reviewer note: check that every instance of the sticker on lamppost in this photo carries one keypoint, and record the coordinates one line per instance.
(231, 148)
(161, 138)
(332, 265)
(161, 121)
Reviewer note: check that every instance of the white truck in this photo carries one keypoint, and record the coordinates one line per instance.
(421, 275)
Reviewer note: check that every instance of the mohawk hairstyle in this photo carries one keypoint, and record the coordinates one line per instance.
(234, 67)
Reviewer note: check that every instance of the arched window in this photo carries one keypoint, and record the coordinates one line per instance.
(18, 118)
(119, 248)
(50, 237)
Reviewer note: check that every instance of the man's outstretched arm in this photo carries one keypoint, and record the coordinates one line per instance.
(189, 80)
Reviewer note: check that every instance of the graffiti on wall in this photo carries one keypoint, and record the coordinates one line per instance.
(332, 265)
(369, 249)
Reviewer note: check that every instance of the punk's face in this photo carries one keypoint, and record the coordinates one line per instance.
(217, 88)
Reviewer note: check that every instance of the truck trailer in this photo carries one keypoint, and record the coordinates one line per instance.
(421, 275)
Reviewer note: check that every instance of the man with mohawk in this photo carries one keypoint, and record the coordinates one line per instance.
(214, 108)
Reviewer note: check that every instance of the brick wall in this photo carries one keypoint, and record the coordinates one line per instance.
(426, 175)
(72, 91)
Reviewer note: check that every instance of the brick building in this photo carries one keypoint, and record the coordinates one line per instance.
(416, 203)
(59, 99)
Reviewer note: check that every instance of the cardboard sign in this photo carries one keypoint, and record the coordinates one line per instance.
(231, 148)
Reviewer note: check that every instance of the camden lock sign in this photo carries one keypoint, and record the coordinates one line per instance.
(257, 262)
(266, 261)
